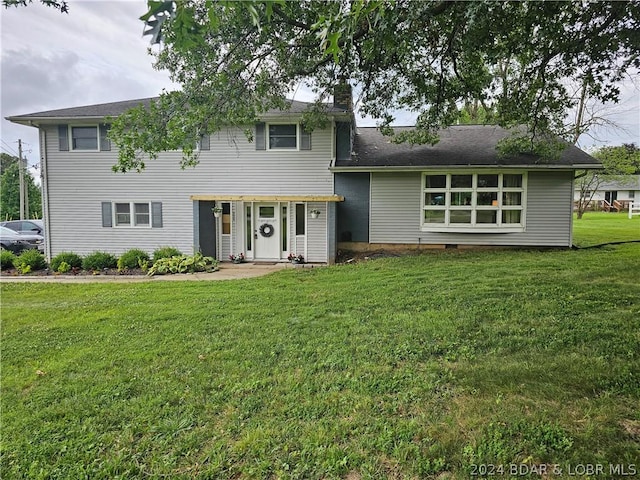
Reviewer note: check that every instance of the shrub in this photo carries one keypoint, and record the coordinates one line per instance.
(6, 259)
(184, 264)
(133, 258)
(165, 252)
(71, 259)
(99, 261)
(30, 261)
(64, 267)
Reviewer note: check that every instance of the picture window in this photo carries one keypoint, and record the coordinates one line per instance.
(473, 201)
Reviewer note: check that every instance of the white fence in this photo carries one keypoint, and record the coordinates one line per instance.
(634, 208)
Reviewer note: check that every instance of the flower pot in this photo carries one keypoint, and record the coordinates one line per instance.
(315, 214)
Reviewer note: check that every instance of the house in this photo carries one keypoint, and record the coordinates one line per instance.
(614, 196)
(291, 191)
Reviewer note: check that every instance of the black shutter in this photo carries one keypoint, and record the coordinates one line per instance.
(63, 138)
(261, 138)
(156, 214)
(106, 215)
(105, 143)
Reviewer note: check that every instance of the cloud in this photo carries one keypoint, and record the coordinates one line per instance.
(28, 78)
(94, 54)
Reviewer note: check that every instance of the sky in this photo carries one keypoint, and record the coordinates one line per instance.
(96, 54)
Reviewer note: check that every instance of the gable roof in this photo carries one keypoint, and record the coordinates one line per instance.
(113, 109)
(623, 182)
(459, 146)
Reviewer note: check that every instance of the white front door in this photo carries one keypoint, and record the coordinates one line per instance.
(267, 231)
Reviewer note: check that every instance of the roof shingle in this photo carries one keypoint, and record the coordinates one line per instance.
(459, 146)
(114, 109)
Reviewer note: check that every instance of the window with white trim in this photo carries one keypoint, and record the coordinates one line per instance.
(226, 218)
(132, 214)
(283, 136)
(481, 202)
(84, 137)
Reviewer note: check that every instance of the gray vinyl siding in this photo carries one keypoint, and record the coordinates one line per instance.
(396, 213)
(317, 233)
(79, 183)
(332, 246)
(225, 247)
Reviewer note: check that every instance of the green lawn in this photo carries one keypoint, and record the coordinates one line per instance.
(430, 365)
(595, 228)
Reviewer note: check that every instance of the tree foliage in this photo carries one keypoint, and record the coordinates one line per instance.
(618, 163)
(10, 191)
(57, 4)
(235, 60)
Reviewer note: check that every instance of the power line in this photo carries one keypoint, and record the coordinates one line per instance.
(10, 149)
(6, 150)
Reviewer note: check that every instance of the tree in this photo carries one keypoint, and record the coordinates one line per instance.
(617, 162)
(235, 60)
(10, 191)
(475, 113)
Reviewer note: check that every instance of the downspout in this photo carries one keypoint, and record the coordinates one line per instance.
(44, 181)
(573, 186)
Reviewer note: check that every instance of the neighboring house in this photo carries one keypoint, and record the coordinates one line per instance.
(614, 196)
(368, 192)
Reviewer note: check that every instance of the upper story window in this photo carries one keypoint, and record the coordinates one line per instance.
(482, 202)
(84, 138)
(283, 136)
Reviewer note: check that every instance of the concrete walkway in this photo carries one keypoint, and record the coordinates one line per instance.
(227, 271)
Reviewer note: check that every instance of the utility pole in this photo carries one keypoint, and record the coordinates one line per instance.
(26, 189)
(21, 179)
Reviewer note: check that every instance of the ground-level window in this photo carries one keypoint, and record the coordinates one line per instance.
(226, 218)
(300, 219)
(248, 229)
(476, 201)
(284, 226)
(132, 214)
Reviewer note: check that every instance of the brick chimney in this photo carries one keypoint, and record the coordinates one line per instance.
(342, 96)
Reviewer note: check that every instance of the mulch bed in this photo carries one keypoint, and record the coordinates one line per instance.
(74, 272)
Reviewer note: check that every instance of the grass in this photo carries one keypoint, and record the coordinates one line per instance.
(412, 367)
(600, 227)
